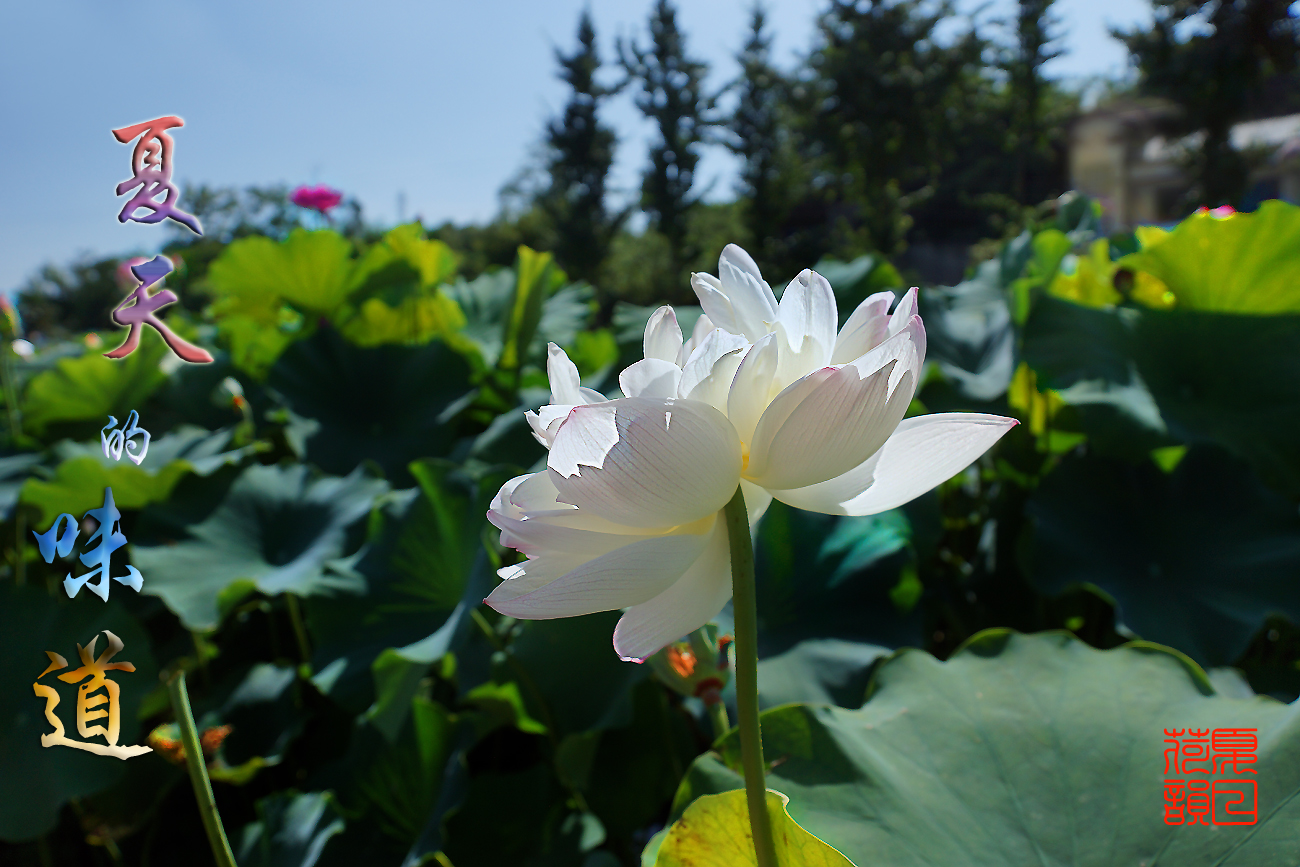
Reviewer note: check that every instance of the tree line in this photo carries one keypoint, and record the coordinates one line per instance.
(894, 129)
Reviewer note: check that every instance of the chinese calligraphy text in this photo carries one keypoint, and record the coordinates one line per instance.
(141, 312)
(92, 704)
(151, 171)
(113, 440)
(1206, 780)
(110, 539)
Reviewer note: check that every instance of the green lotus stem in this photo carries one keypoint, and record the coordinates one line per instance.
(20, 547)
(299, 628)
(11, 393)
(745, 607)
(718, 716)
(199, 772)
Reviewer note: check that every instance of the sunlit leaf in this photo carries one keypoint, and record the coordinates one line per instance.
(309, 269)
(536, 277)
(91, 387)
(1244, 263)
(714, 832)
(393, 294)
(80, 478)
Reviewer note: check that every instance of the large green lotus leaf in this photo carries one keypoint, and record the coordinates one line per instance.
(423, 570)
(1244, 263)
(292, 830)
(279, 528)
(259, 333)
(1163, 375)
(969, 334)
(36, 781)
(1019, 750)
(537, 278)
(484, 302)
(828, 576)
(432, 261)
(1251, 405)
(564, 316)
(14, 472)
(402, 780)
(383, 404)
(714, 832)
(499, 310)
(91, 387)
(573, 663)
(1195, 558)
(634, 770)
(415, 320)
(83, 472)
(819, 670)
(309, 269)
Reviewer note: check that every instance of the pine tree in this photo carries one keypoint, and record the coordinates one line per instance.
(885, 98)
(756, 125)
(581, 153)
(672, 95)
(1217, 76)
(1026, 89)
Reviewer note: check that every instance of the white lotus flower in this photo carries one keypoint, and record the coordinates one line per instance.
(763, 395)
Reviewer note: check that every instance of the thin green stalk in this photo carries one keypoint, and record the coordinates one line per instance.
(20, 547)
(11, 394)
(745, 607)
(718, 716)
(299, 631)
(199, 772)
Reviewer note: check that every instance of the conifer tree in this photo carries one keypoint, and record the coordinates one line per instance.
(672, 95)
(1218, 75)
(581, 151)
(1027, 90)
(885, 96)
(756, 127)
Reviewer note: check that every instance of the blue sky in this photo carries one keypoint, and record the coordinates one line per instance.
(440, 102)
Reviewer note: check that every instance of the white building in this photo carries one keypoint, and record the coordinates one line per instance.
(1118, 155)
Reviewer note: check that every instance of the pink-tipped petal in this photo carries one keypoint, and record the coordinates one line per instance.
(866, 329)
(922, 453)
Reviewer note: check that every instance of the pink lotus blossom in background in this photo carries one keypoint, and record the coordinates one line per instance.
(319, 198)
(1221, 212)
